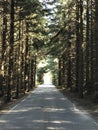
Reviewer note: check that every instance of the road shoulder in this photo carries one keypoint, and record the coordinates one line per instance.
(84, 104)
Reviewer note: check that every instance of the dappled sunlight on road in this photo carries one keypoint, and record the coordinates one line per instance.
(46, 109)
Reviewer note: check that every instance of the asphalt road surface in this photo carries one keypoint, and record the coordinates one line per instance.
(46, 109)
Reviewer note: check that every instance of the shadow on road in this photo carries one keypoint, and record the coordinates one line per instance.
(46, 109)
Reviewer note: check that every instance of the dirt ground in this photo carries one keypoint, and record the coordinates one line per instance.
(86, 103)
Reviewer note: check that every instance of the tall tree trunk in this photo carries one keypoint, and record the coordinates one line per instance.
(87, 47)
(96, 42)
(79, 49)
(92, 44)
(34, 71)
(69, 79)
(77, 44)
(81, 61)
(2, 66)
(26, 59)
(59, 73)
(10, 51)
(87, 42)
(69, 69)
(19, 68)
(4, 29)
(63, 77)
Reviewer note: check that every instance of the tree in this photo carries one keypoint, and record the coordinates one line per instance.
(10, 51)
(96, 43)
(22, 24)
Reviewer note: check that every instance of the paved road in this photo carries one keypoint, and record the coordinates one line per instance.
(46, 109)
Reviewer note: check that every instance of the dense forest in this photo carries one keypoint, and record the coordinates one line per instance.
(30, 30)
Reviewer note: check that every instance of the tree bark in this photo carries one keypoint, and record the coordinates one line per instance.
(96, 41)
(10, 52)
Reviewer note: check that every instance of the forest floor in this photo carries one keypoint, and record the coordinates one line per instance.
(87, 103)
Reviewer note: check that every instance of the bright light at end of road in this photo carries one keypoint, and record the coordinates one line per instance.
(47, 78)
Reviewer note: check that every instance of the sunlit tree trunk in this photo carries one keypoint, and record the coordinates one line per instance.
(18, 62)
(4, 31)
(10, 67)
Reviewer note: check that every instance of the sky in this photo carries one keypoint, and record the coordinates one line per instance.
(49, 6)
